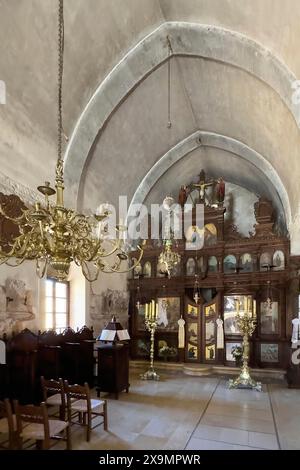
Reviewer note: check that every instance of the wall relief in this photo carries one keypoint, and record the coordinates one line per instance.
(16, 302)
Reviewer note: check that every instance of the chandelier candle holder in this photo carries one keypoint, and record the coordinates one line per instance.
(247, 322)
(54, 236)
(151, 315)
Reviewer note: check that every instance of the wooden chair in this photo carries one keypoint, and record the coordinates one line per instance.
(33, 423)
(54, 395)
(8, 425)
(79, 401)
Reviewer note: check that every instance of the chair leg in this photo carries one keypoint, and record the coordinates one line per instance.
(105, 415)
(68, 438)
(89, 427)
(62, 413)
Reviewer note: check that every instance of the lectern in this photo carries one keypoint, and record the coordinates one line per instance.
(113, 360)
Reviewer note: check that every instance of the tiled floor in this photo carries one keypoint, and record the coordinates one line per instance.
(183, 412)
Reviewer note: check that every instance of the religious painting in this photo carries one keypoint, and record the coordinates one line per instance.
(194, 238)
(168, 313)
(265, 260)
(210, 328)
(143, 348)
(278, 260)
(192, 351)
(269, 352)
(229, 264)
(246, 263)
(210, 310)
(269, 318)
(210, 352)
(192, 333)
(230, 313)
(176, 271)
(141, 318)
(210, 235)
(212, 264)
(190, 267)
(147, 269)
(229, 350)
(192, 311)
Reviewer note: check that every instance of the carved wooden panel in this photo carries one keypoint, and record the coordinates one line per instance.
(12, 206)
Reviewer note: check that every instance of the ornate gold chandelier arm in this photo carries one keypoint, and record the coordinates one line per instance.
(112, 269)
(114, 250)
(87, 274)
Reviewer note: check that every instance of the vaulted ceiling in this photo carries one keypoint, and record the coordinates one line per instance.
(232, 80)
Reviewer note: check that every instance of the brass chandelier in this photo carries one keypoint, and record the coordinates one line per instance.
(55, 236)
(168, 258)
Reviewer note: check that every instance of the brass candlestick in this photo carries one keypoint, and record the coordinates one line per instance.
(151, 313)
(247, 324)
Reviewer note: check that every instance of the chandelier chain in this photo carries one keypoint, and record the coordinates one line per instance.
(60, 76)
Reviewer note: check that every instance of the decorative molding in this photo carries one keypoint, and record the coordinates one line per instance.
(9, 187)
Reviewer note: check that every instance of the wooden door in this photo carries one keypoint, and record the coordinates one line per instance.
(201, 331)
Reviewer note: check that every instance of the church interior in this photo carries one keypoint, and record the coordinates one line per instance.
(149, 225)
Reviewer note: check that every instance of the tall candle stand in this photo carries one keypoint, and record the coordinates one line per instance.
(247, 324)
(151, 314)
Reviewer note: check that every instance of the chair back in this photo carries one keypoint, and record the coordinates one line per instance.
(52, 387)
(6, 412)
(77, 392)
(32, 414)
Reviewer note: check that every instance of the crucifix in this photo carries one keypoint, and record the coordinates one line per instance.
(202, 185)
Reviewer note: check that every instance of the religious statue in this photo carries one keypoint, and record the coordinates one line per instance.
(202, 185)
(220, 333)
(181, 324)
(20, 300)
(182, 197)
(221, 190)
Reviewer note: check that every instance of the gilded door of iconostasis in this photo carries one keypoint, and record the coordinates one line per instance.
(201, 330)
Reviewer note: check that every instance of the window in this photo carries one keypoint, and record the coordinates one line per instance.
(57, 305)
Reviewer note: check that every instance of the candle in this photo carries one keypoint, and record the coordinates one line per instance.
(156, 312)
(146, 311)
(153, 309)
